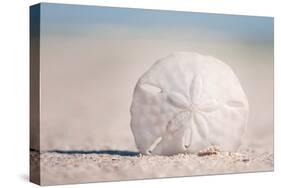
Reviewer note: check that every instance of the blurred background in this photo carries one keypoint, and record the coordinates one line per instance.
(91, 58)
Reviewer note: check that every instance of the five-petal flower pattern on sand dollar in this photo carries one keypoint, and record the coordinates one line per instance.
(192, 109)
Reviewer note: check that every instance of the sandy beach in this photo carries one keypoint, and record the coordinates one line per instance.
(89, 65)
(65, 167)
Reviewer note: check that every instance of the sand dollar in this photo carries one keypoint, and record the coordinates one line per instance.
(187, 102)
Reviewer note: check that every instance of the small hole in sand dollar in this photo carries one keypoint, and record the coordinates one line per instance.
(151, 88)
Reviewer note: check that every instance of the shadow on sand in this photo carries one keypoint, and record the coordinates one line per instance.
(110, 152)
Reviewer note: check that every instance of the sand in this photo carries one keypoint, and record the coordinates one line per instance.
(65, 167)
(84, 109)
(78, 114)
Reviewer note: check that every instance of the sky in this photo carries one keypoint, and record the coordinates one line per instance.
(61, 19)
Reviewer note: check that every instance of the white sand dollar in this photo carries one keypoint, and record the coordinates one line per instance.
(187, 102)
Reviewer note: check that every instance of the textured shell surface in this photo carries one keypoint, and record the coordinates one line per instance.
(187, 102)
